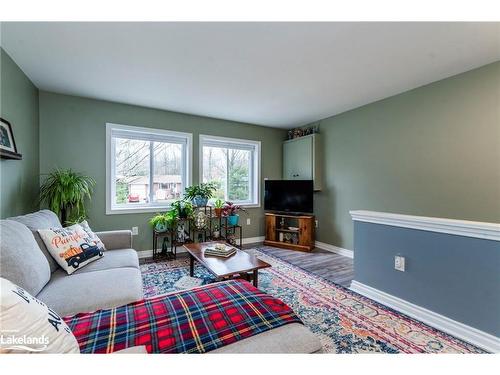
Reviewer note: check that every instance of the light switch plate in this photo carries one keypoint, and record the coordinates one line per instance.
(248, 221)
(135, 231)
(399, 263)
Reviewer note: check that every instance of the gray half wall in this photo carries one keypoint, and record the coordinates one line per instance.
(455, 276)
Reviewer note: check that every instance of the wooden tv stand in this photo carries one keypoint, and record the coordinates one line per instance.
(299, 237)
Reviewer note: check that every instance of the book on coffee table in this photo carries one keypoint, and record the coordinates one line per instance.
(220, 255)
(220, 250)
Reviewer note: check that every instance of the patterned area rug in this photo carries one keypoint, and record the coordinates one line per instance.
(345, 321)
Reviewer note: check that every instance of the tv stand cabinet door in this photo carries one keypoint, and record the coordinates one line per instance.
(270, 228)
(306, 234)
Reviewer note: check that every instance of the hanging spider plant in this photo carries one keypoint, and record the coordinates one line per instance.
(65, 192)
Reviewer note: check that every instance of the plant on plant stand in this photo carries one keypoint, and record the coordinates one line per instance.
(65, 192)
(231, 211)
(183, 208)
(200, 194)
(165, 221)
(218, 206)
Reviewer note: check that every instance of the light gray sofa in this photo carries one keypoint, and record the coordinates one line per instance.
(112, 281)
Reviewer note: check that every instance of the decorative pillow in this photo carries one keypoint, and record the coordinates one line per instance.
(71, 247)
(29, 326)
(93, 237)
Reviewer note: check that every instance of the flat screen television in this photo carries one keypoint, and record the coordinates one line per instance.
(293, 196)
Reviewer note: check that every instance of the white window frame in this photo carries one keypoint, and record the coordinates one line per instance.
(111, 207)
(256, 162)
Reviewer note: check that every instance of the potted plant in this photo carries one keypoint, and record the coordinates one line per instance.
(200, 194)
(218, 206)
(183, 208)
(165, 221)
(65, 192)
(231, 211)
(159, 222)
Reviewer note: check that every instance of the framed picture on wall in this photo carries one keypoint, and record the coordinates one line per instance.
(8, 148)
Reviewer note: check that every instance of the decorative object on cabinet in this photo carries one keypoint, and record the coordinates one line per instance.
(301, 132)
(8, 148)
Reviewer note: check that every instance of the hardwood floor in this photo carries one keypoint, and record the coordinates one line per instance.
(331, 266)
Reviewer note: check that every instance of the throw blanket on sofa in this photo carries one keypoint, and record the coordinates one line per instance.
(191, 321)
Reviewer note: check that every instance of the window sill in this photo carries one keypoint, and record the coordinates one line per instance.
(248, 205)
(143, 210)
(137, 210)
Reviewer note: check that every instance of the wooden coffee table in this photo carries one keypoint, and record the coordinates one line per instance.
(241, 263)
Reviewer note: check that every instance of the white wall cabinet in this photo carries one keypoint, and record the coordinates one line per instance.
(302, 159)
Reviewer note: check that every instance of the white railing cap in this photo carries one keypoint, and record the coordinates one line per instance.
(476, 229)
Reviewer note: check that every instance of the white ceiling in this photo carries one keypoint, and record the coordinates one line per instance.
(273, 74)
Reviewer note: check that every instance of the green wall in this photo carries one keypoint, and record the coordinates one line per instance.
(19, 105)
(432, 151)
(72, 135)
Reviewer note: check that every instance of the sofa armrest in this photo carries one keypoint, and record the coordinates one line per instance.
(133, 350)
(116, 239)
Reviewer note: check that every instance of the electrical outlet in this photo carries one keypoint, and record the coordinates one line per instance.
(248, 221)
(316, 223)
(399, 263)
(135, 231)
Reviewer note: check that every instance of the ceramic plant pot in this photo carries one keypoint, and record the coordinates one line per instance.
(218, 212)
(200, 201)
(160, 227)
(233, 220)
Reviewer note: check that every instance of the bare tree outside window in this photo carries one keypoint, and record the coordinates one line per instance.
(230, 169)
(132, 171)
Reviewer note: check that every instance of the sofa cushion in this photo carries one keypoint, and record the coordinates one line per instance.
(113, 259)
(43, 219)
(290, 338)
(89, 291)
(21, 260)
(22, 315)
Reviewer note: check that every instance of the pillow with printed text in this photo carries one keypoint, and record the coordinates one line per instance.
(71, 247)
(85, 226)
(30, 326)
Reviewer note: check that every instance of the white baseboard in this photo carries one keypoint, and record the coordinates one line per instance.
(250, 240)
(334, 249)
(149, 253)
(470, 334)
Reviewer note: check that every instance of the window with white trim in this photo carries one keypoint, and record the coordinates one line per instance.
(234, 166)
(146, 169)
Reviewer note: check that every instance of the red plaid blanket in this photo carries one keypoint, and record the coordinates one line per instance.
(191, 321)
